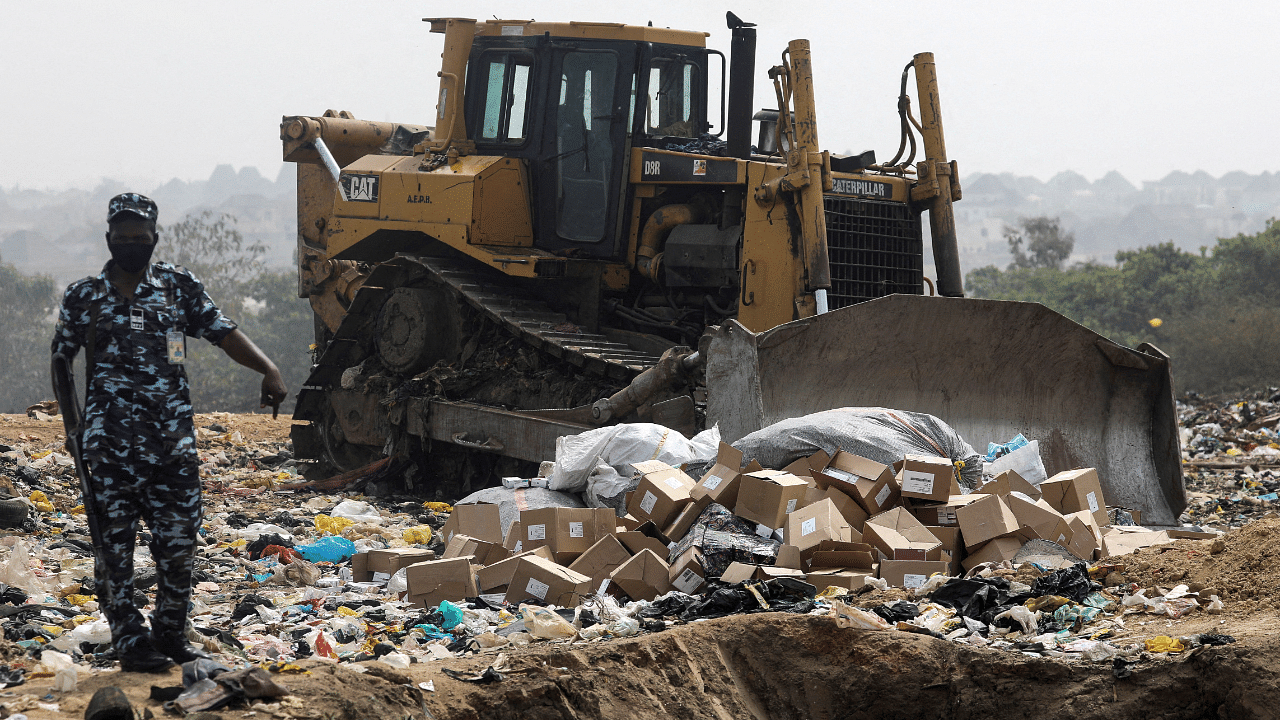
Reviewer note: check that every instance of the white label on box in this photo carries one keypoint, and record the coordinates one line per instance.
(764, 531)
(1093, 501)
(947, 516)
(791, 505)
(688, 581)
(912, 581)
(450, 536)
(914, 481)
(838, 474)
(604, 584)
(882, 496)
(381, 577)
(674, 483)
(537, 532)
(519, 545)
(712, 482)
(808, 526)
(1062, 539)
(537, 589)
(648, 502)
(575, 529)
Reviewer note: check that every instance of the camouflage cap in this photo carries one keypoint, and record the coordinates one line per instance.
(139, 205)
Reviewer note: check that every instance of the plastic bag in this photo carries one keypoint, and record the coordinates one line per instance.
(398, 583)
(327, 549)
(17, 571)
(397, 660)
(1022, 616)
(417, 535)
(546, 624)
(1215, 605)
(847, 616)
(332, 525)
(877, 434)
(357, 511)
(1025, 461)
(619, 446)
(1164, 643)
(453, 615)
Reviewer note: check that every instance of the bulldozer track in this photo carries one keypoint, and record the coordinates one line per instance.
(523, 315)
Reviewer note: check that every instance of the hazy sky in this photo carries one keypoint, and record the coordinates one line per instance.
(146, 91)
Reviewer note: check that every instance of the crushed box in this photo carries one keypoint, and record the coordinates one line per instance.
(1039, 520)
(432, 581)
(952, 544)
(1123, 542)
(379, 565)
(986, 518)
(538, 578)
(766, 496)
(853, 513)
(899, 536)
(941, 514)
(485, 553)
(841, 578)
(687, 572)
(1007, 482)
(926, 478)
(848, 555)
(644, 576)
(498, 575)
(868, 482)
(662, 493)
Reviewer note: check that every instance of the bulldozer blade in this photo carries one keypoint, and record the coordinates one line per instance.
(989, 368)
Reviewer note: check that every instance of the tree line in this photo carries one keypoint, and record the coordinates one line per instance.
(1215, 312)
(263, 301)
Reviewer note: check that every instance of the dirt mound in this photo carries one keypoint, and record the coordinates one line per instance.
(802, 667)
(1244, 567)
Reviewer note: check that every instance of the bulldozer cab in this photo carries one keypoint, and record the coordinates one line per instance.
(572, 108)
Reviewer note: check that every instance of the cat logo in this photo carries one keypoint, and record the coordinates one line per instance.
(360, 188)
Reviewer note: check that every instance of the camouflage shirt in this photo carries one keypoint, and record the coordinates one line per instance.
(139, 405)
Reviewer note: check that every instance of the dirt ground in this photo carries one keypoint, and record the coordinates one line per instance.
(777, 665)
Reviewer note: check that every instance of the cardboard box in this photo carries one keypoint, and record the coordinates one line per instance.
(687, 574)
(1123, 542)
(687, 517)
(601, 559)
(952, 544)
(538, 578)
(868, 482)
(909, 574)
(766, 496)
(996, 550)
(513, 541)
(842, 578)
(899, 536)
(1039, 520)
(485, 553)
(853, 513)
(1075, 490)
(645, 536)
(846, 555)
(1082, 542)
(1007, 482)
(481, 521)
(789, 557)
(498, 575)
(941, 514)
(662, 493)
(720, 482)
(812, 494)
(360, 567)
(738, 572)
(926, 478)
(433, 581)
(808, 526)
(984, 519)
(644, 576)
(567, 531)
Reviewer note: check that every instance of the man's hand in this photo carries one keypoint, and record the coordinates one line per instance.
(273, 392)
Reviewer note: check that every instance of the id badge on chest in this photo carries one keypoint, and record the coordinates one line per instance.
(177, 343)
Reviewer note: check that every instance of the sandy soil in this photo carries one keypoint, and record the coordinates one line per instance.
(774, 665)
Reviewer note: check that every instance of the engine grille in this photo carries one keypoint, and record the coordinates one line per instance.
(875, 249)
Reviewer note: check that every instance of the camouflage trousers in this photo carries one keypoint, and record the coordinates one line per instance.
(167, 498)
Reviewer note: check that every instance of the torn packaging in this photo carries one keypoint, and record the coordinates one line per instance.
(661, 495)
(926, 478)
(870, 483)
(541, 579)
(481, 521)
(499, 574)
(899, 536)
(848, 507)
(601, 559)
(986, 518)
(644, 576)
(766, 496)
(436, 580)
(808, 526)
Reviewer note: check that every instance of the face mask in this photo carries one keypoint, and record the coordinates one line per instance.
(131, 257)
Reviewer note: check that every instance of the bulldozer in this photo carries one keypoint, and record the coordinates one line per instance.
(589, 234)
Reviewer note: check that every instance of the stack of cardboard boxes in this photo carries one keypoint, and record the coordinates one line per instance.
(840, 519)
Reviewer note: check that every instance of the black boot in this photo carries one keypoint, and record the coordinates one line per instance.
(176, 647)
(143, 658)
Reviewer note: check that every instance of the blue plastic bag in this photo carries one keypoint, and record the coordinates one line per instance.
(330, 548)
(995, 451)
(452, 615)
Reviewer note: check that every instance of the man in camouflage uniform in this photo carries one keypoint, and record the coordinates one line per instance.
(139, 438)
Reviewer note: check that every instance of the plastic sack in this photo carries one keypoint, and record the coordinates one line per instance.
(546, 624)
(251, 532)
(847, 616)
(877, 434)
(1022, 616)
(624, 627)
(618, 446)
(877, 583)
(96, 632)
(417, 535)
(397, 660)
(16, 572)
(1164, 644)
(1025, 461)
(357, 511)
(327, 549)
(398, 583)
(453, 615)
(332, 525)
(606, 488)
(996, 451)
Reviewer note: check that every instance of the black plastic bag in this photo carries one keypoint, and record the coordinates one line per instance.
(1072, 583)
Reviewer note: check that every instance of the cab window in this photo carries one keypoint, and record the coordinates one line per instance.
(507, 78)
(671, 98)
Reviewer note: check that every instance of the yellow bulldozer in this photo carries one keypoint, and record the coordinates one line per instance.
(589, 234)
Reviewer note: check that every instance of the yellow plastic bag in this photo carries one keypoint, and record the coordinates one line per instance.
(332, 525)
(1164, 643)
(438, 507)
(41, 501)
(420, 535)
(1048, 603)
